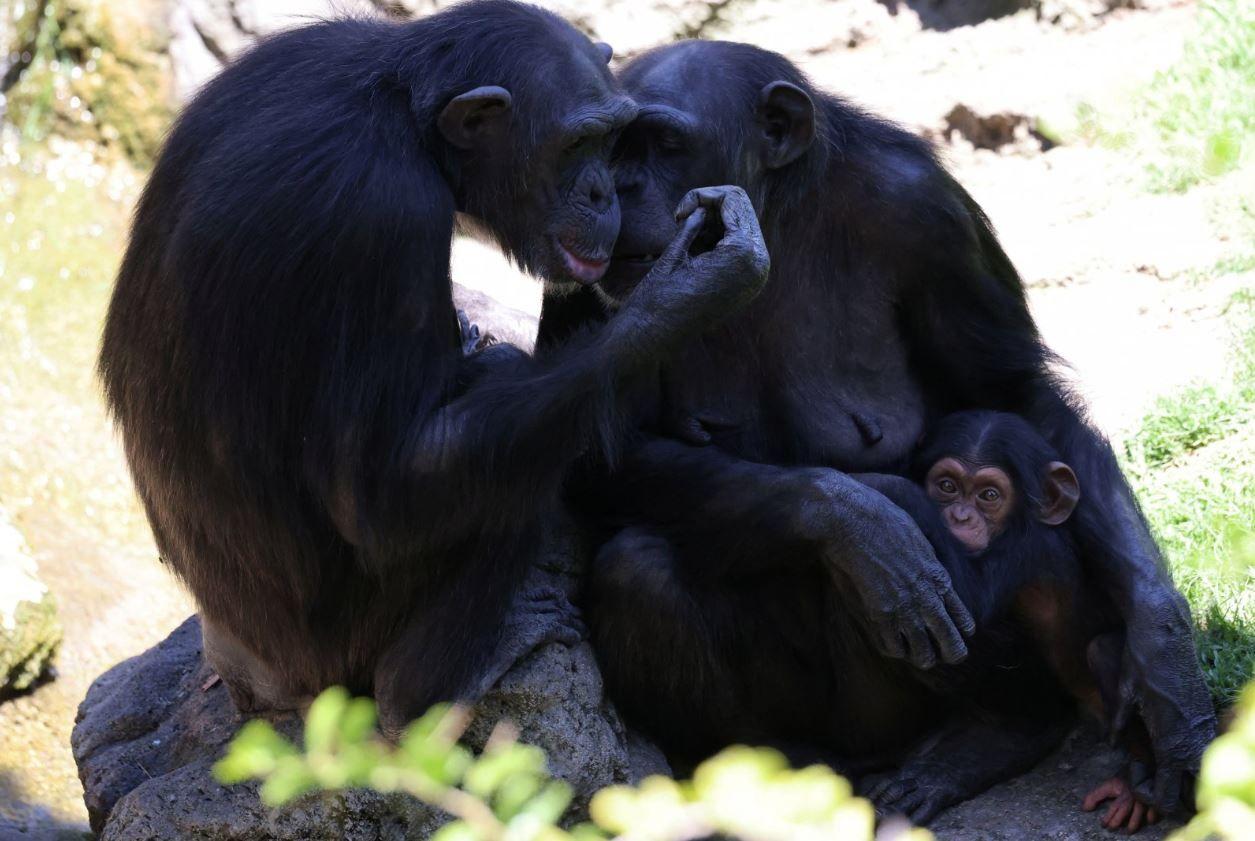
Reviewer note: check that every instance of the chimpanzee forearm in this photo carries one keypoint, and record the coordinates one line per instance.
(747, 517)
(496, 452)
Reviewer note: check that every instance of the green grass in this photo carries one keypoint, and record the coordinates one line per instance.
(1195, 120)
(1192, 463)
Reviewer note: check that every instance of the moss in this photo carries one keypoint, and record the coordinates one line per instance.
(27, 648)
(99, 72)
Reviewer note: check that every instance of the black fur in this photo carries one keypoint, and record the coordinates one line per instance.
(890, 305)
(347, 504)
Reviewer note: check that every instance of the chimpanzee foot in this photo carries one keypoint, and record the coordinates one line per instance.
(919, 790)
(540, 616)
(472, 339)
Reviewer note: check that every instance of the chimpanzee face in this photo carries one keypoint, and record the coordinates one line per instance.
(534, 163)
(976, 502)
(695, 129)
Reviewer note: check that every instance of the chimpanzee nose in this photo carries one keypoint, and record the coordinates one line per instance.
(599, 197)
(961, 513)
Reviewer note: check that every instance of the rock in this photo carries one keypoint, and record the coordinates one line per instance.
(1001, 131)
(148, 733)
(1045, 802)
(29, 630)
(504, 322)
(98, 71)
(206, 33)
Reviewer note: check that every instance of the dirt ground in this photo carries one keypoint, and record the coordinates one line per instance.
(1108, 267)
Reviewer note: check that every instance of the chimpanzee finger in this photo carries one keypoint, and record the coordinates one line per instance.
(891, 643)
(678, 250)
(925, 811)
(1105, 791)
(1135, 818)
(923, 656)
(736, 211)
(946, 636)
(1152, 816)
(1119, 812)
(959, 613)
(892, 791)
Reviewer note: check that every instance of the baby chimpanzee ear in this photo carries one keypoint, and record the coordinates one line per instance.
(476, 116)
(607, 51)
(787, 117)
(1062, 492)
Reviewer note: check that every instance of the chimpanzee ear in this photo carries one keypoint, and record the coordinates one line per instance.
(786, 115)
(1063, 492)
(607, 51)
(475, 117)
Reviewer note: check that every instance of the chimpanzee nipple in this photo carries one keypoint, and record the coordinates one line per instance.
(868, 427)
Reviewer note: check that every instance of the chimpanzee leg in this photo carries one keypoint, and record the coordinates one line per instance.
(655, 635)
(961, 760)
(473, 652)
(252, 685)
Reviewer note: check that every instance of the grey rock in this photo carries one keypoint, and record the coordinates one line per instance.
(148, 733)
(504, 322)
(1045, 803)
(29, 629)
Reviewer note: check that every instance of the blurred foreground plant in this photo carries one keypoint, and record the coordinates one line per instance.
(1226, 786)
(506, 793)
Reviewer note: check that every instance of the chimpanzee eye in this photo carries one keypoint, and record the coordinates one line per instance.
(670, 140)
(577, 145)
(990, 495)
(947, 486)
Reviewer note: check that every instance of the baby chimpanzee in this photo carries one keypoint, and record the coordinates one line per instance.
(997, 502)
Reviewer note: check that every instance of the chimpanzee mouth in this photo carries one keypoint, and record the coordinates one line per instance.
(584, 268)
(637, 259)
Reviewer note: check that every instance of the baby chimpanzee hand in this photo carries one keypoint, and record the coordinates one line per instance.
(1127, 811)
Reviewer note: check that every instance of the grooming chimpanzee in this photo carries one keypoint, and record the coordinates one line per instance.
(890, 305)
(995, 500)
(348, 498)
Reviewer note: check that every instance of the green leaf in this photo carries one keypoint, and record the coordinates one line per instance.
(513, 794)
(456, 831)
(289, 781)
(493, 768)
(254, 752)
(323, 722)
(550, 805)
(358, 724)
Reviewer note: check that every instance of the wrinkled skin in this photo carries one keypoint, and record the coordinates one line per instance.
(890, 304)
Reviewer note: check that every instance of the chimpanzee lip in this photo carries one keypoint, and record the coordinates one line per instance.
(585, 269)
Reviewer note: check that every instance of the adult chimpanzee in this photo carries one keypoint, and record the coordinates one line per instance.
(996, 499)
(349, 499)
(891, 304)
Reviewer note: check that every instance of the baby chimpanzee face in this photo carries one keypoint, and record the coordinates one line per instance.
(976, 502)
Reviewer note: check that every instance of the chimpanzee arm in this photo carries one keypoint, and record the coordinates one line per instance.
(973, 343)
(505, 441)
(745, 518)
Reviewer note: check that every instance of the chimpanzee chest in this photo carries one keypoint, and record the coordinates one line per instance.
(829, 387)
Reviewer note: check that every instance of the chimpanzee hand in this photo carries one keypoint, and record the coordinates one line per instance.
(683, 292)
(472, 339)
(906, 594)
(1128, 811)
(1160, 679)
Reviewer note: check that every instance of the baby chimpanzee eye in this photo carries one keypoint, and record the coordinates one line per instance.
(947, 486)
(990, 495)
